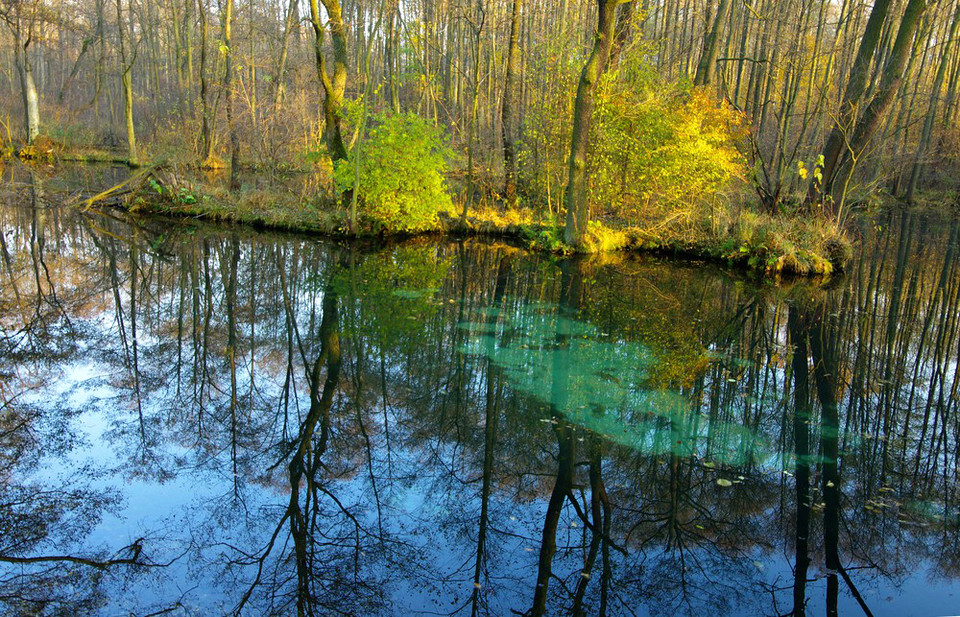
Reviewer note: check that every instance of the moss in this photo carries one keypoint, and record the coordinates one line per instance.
(300, 217)
(544, 238)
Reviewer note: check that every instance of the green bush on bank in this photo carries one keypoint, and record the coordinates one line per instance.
(398, 172)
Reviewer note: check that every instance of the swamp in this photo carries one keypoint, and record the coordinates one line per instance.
(479, 307)
(210, 420)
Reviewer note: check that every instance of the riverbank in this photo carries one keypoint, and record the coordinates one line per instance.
(736, 237)
(741, 238)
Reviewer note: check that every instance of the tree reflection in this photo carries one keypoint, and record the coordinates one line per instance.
(491, 422)
(802, 418)
(38, 519)
(419, 426)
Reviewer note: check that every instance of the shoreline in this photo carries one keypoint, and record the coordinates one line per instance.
(324, 223)
(769, 246)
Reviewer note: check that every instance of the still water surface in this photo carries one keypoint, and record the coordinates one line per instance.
(202, 420)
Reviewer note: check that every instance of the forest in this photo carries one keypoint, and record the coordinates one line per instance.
(479, 307)
(675, 118)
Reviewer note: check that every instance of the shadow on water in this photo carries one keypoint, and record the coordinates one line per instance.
(226, 422)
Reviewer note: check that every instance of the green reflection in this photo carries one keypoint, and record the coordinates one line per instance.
(609, 387)
(396, 291)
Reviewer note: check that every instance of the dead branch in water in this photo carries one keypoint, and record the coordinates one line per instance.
(115, 195)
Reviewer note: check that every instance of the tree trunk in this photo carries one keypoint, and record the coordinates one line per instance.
(391, 56)
(856, 86)
(578, 210)
(333, 85)
(28, 89)
(288, 25)
(950, 104)
(889, 84)
(932, 109)
(623, 31)
(477, 27)
(207, 121)
(188, 44)
(707, 68)
(507, 111)
(228, 89)
(126, 79)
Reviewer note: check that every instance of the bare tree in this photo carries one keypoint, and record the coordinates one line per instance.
(24, 19)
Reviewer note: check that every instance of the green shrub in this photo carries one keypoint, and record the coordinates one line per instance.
(398, 173)
(657, 147)
(660, 149)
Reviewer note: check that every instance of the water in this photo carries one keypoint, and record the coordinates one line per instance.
(203, 420)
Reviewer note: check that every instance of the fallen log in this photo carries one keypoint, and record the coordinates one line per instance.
(116, 195)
